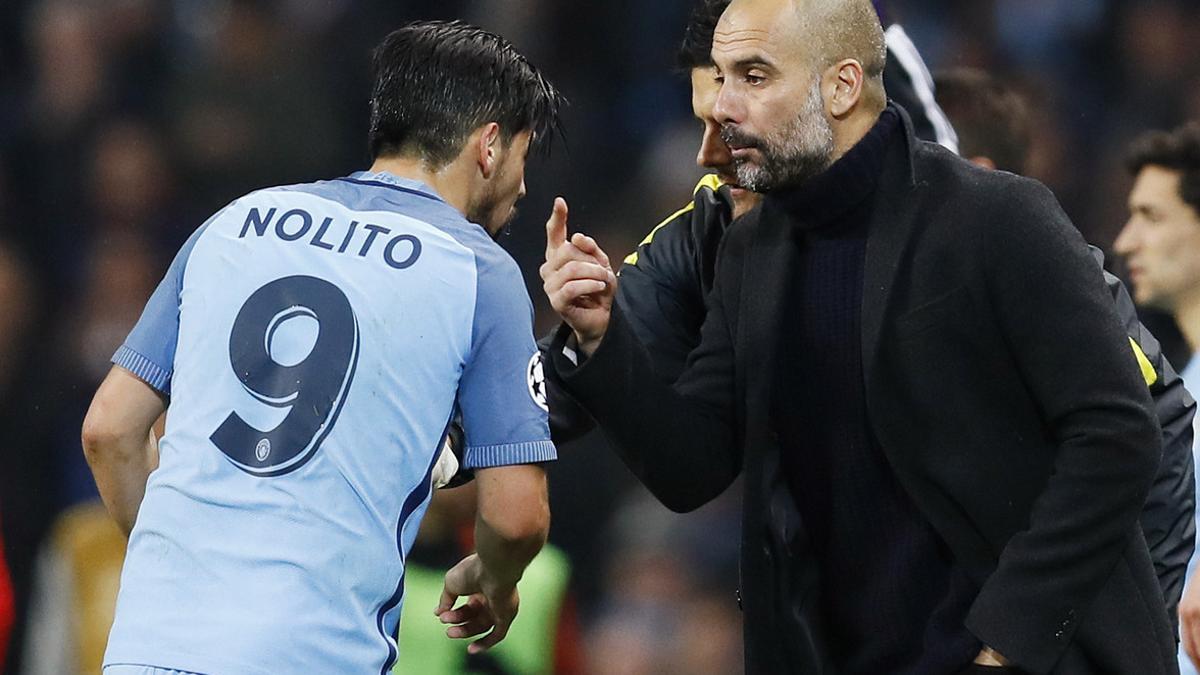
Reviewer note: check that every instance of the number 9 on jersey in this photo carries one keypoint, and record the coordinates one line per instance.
(313, 388)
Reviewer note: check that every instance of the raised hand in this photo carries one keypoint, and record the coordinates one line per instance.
(578, 280)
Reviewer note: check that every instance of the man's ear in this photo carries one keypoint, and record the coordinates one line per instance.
(843, 87)
(488, 149)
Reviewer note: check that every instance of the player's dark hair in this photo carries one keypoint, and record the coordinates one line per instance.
(992, 120)
(437, 81)
(1178, 150)
(696, 49)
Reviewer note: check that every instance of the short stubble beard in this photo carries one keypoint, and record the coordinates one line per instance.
(487, 213)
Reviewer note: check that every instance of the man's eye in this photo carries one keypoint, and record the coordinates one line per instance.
(753, 79)
(719, 79)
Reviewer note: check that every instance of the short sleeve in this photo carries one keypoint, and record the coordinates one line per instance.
(502, 393)
(149, 350)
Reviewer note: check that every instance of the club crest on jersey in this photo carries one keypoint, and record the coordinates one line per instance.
(535, 377)
(262, 450)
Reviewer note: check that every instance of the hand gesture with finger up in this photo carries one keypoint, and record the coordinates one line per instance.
(578, 280)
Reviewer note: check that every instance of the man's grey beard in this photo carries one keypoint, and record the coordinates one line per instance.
(790, 155)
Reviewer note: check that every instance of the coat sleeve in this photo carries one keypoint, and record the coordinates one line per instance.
(662, 306)
(1168, 518)
(661, 293)
(679, 441)
(1051, 307)
(568, 420)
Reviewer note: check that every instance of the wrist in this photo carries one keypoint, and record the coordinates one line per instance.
(587, 344)
(493, 585)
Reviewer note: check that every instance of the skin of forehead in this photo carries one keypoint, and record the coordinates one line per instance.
(762, 24)
(803, 29)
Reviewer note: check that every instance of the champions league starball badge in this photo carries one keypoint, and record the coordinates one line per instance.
(535, 377)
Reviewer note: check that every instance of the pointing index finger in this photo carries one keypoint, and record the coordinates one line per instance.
(556, 226)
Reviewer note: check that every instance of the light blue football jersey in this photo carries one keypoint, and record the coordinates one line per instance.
(314, 340)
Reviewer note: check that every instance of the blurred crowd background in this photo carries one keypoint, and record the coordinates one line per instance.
(125, 123)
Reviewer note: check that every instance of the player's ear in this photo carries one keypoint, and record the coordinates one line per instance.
(488, 148)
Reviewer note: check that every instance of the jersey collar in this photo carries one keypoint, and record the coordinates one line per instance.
(396, 181)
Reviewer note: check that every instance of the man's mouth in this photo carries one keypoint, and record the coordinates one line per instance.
(737, 141)
(742, 154)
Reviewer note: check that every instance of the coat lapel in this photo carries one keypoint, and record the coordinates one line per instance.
(789, 570)
(891, 232)
(764, 296)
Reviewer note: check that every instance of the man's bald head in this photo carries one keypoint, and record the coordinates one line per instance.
(844, 29)
(825, 32)
(801, 81)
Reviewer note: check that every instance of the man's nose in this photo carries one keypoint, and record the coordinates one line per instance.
(1126, 240)
(714, 153)
(729, 108)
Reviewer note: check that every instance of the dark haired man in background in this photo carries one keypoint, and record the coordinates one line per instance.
(915, 362)
(1161, 246)
(314, 341)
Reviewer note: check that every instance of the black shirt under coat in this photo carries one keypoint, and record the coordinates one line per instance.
(891, 596)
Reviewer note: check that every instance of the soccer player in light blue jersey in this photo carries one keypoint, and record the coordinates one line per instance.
(313, 341)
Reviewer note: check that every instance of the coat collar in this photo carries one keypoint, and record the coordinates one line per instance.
(829, 196)
(763, 296)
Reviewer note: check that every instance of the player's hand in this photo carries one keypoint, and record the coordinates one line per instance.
(1189, 619)
(578, 280)
(489, 606)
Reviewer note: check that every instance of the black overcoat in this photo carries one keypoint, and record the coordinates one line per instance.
(998, 383)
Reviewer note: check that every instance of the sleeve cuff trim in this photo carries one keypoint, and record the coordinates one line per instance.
(146, 370)
(487, 456)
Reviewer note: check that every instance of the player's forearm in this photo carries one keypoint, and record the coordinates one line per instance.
(121, 463)
(508, 543)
